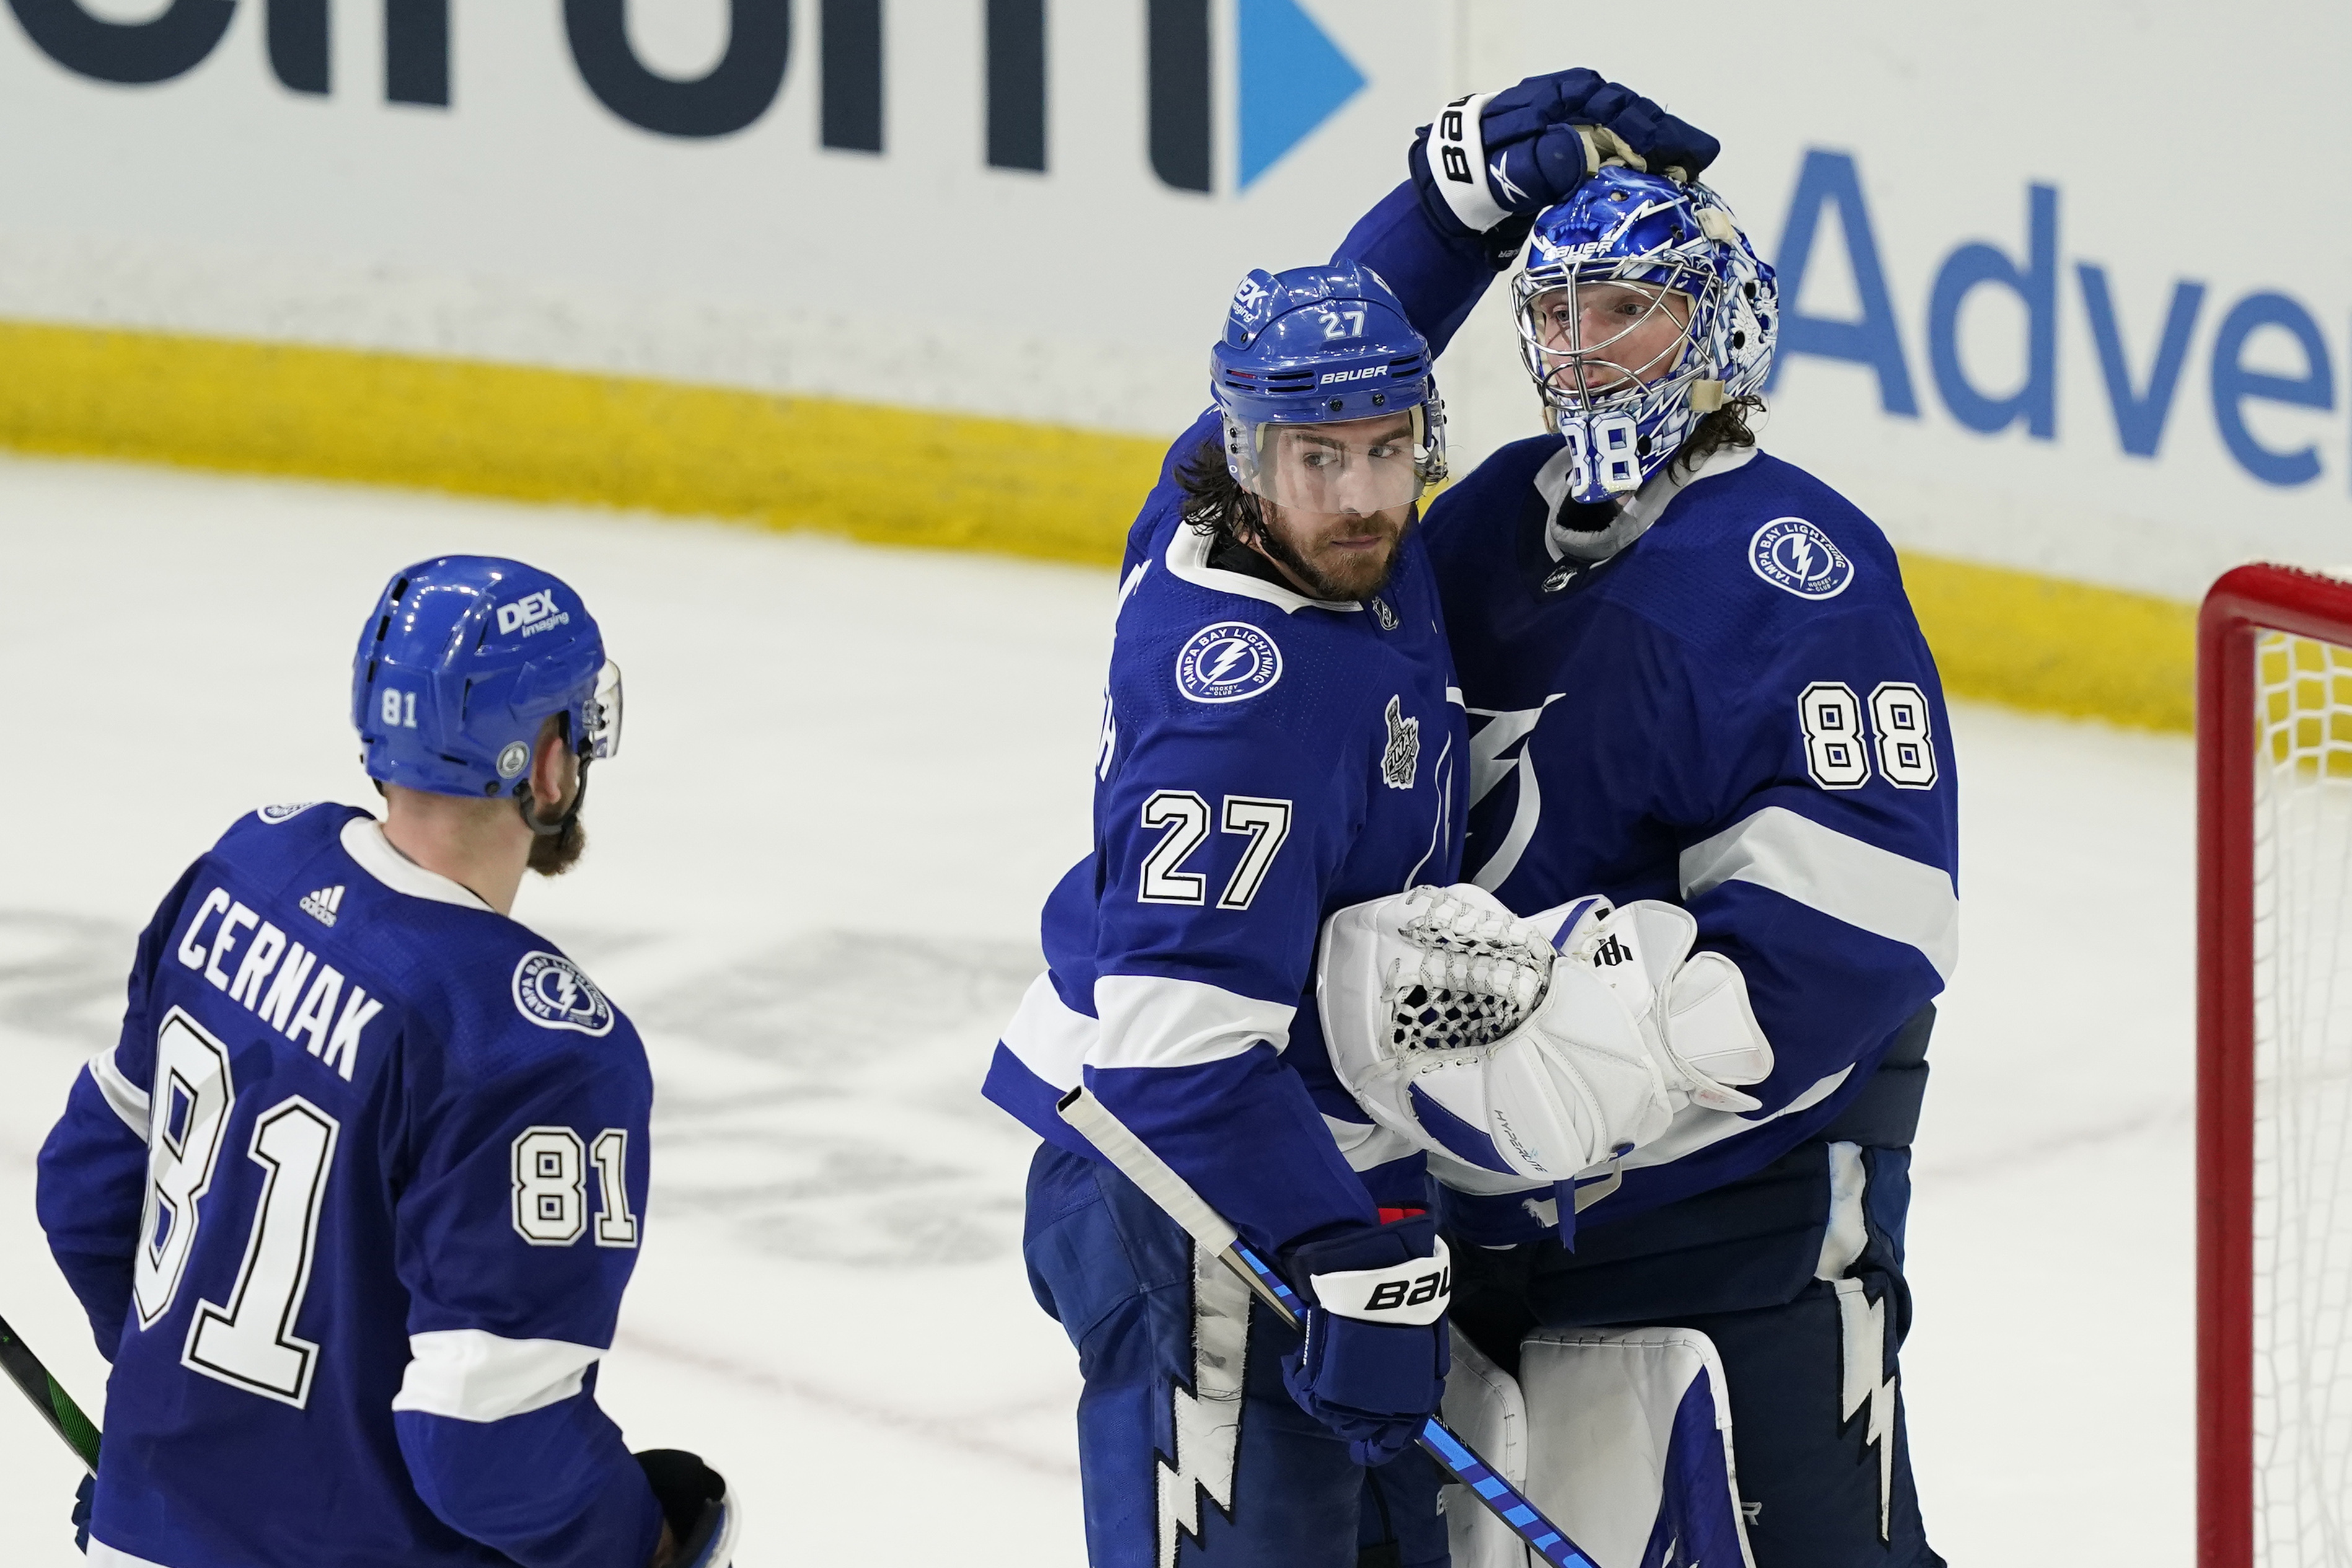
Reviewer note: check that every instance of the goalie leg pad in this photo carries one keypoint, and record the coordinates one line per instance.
(1806, 1321)
(1625, 1441)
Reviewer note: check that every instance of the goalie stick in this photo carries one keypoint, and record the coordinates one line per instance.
(56, 1405)
(1176, 1198)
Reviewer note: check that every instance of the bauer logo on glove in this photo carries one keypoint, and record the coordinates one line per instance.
(1415, 1291)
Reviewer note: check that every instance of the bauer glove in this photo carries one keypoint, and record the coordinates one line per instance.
(1494, 159)
(1372, 1365)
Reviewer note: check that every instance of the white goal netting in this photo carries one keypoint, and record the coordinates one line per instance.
(2303, 1104)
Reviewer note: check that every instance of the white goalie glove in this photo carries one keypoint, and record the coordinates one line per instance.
(1536, 1048)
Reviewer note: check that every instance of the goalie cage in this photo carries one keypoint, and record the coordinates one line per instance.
(2275, 1070)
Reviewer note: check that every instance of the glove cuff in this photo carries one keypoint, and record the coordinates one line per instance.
(1456, 155)
(1415, 1293)
(1398, 1273)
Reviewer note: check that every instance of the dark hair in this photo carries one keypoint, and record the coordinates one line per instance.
(1725, 427)
(1214, 502)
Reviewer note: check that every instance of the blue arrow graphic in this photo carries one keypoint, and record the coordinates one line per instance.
(1293, 78)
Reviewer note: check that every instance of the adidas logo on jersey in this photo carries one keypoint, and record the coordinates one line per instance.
(321, 905)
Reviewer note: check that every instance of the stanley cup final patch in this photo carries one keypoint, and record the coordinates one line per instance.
(1227, 661)
(1402, 757)
(1798, 558)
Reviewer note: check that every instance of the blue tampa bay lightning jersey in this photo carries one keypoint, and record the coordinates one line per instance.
(1266, 759)
(350, 1205)
(1734, 712)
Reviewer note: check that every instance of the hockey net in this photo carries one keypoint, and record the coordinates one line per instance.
(2274, 1091)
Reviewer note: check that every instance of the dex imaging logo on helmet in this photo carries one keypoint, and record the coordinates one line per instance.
(531, 615)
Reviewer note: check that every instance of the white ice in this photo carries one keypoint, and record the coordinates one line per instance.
(850, 777)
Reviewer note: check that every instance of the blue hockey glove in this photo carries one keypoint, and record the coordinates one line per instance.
(83, 1494)
(1491, 159)
(1373, 1366)
(701, 1515)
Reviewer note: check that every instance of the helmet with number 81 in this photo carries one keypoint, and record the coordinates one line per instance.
(1328, 404)
(464, 659)
(1641, 307)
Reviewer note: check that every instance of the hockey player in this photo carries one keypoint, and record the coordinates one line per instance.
(1278, 740)
(352, 1203)
(1695, 691)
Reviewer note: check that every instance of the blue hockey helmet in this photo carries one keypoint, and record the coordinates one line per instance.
(1636, 267)
(1327, 393)
(461, 661)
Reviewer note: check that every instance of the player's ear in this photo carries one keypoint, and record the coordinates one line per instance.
(551, 764)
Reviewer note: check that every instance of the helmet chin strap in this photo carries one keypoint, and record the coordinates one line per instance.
(551, 829)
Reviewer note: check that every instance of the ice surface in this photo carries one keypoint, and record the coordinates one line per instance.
(850, 775)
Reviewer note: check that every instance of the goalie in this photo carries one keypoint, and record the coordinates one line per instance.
(1695, 688)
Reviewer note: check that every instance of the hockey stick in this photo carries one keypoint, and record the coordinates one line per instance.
(1209, 1229)
(56, 1405)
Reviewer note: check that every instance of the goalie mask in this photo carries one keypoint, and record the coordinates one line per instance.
(1641, 307)
(1326, 391)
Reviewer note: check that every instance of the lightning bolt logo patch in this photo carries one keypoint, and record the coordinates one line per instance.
(1798, 558)
(1227, 661)
(549, 991)
(1863, 1321)
(1206, 1419)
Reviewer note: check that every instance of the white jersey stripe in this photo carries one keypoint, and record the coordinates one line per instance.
(468, 1374)
(102, 1556)
(1868, 888)
(128, 1100)
(1048, 1036)
(1149, 1021)
(1364, 1145)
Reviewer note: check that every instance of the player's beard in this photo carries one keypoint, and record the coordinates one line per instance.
(1340, 576)
(553, 854)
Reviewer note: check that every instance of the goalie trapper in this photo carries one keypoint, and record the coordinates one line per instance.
(1540, 1047)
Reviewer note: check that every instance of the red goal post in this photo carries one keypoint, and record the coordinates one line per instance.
(2274, 1069)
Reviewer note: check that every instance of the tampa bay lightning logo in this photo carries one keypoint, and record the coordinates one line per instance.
(1798, 558)
(549, 991)
(1226, 662)
(274, 814)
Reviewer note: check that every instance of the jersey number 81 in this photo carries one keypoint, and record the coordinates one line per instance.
(249, 1342)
